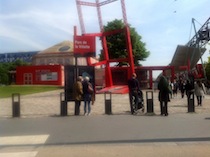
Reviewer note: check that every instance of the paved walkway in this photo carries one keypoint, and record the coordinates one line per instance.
(48, 104)
(41, 132)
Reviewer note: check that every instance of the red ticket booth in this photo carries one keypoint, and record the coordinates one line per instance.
(40, 75)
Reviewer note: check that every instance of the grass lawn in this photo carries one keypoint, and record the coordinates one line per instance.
(6, 91)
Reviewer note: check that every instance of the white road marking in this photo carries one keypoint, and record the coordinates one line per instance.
(23, 140)
(19, 154)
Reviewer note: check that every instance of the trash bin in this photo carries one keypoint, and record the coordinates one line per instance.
(16, 105)
(191, 103)
(150, 104)
(108, 102)
(63, 105)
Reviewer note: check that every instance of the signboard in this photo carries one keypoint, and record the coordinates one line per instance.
(46, 75)
(84, 46)
(51, 76)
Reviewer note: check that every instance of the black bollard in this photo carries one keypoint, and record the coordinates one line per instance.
(191, 102)
(16, 105)
(108, 103)
(150, 104)
(63, 105)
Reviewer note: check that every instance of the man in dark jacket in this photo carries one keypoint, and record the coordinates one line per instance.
(164, 91)
(189, 88)
(133, 85)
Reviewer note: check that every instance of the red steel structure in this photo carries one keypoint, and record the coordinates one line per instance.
(102, 35)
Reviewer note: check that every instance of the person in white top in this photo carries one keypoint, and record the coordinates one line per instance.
(199, 92)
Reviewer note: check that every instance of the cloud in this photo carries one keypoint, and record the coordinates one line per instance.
(31, 27)
(18, 38)
(40, 24)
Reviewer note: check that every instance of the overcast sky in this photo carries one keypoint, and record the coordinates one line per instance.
(34, 25)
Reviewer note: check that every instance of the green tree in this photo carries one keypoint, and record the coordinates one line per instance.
(207, 69)
(117, 43)
(5, 68)
(4, 78)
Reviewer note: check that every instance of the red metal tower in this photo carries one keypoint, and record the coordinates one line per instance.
(103, 35)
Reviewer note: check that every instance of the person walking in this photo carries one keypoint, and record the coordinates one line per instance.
(164, 91)
(182, 88)
(199, 92)
(88, 92)
(78, 94)
(133, 85)
(175, 88)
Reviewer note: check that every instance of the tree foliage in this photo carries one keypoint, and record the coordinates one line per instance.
(117, 43)
(5, 68)
(207, 69)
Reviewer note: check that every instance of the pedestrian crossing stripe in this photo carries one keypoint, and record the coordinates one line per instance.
(19, 154)
(23, 140)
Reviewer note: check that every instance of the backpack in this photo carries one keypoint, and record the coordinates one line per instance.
(90, 88)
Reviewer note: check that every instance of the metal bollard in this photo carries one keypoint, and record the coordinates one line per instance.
(16, 105)
(191, 102)
(63, 105)
(108, 103)
(150, 104)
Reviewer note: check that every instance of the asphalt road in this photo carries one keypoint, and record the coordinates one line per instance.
(106, 135)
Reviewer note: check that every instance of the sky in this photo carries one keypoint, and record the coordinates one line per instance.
(35, 25)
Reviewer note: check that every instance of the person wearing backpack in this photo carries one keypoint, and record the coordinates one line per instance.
(88, 92)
